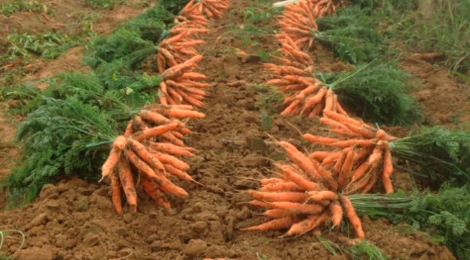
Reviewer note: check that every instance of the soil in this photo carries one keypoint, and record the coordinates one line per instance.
(74, 220)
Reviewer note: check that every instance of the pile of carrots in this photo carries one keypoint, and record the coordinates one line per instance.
(304, 94)
(148, 152)
(361, 158)
(298, 21)
(313, 190)
(304, 197)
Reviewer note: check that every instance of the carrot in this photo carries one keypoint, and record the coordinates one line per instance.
(370, 184)
(277, 213)
(298, 179)
(119, 143)
(336, 214)
(342, 118)
(129, 129)
(170, 149)
(346, 169)
(352, 216)
(340, 162)
(116, 191)
(145, 155)
(178, 173)
(154, 193)
(298, 208)
(301, 227)
(153, 117)
(319, 155)
(325, 174)
(361, 171)
(271, 181)
(322, 195)
(141, 165)
(320, 140)
(332, 157)
(276, 224)
(300, 159)
(289, 111)
(388, 163)
(354, 142)
(317, 110)
(182, 114)
(168, 159)
(278, 196)
(285, 186)
(169, 136)
(155, 131)
(127, 181)
(387, 184)
(260, 204)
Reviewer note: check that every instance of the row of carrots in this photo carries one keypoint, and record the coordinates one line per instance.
(149, 152)
(313, 190)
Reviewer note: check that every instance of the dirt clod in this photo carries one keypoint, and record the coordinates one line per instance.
(195, 247)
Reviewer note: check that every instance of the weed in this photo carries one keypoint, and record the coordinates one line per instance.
(106, 4)
(19, 6)
(48, 45)
(362, 251)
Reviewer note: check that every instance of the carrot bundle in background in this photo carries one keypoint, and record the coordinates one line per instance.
(303, 198)
(149, 151)
(305, 94)
(181, 85)
(298, 21)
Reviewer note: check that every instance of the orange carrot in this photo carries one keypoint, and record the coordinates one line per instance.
(277, 213)
(171, 149)
(291, 175)
(278, 196)
(320, 140)
(155, 131)
(116, 191)
(154, 193)
(145, 155)
(322, 195)
(298, 208)
(301, 227)
(276, 224)
(141, 165)
(178, 173)
(168, 159)
(127, 181)
(284, 186)
(336, 213)
(108, 167)
(352, 216)
(300, 159)
(319, 155)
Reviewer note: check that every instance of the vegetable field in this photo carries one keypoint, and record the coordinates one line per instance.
(234, 130)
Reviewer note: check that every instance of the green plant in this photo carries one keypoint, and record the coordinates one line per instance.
(351, 35)
(48, 45)
(9, 8)
(440, 154)
(362, 251)
(446, 213)
(106, 4)
(378, 94)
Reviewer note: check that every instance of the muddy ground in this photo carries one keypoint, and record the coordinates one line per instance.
(74, 220)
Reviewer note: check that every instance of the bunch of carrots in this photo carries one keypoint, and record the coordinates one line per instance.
(148, 152)
(362, 157)
(305, 94)
(304, 198)
(178, 57)
(298, 21)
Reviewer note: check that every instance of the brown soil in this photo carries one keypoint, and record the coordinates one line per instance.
(445, 100)
(75, 220)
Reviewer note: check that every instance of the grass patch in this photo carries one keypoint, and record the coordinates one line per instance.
(445, 214)
(106, 4)
(9, 8)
